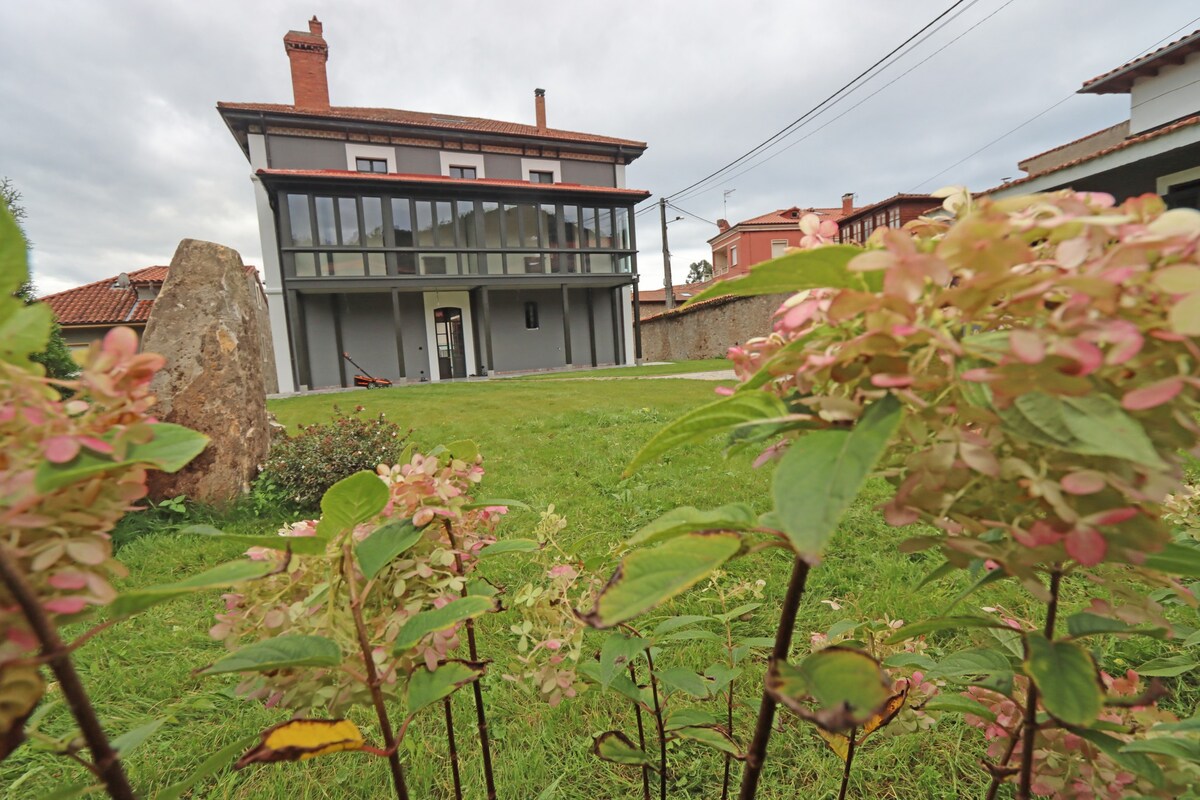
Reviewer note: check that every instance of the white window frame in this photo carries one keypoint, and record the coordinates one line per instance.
(782, 249)
(458, 158)
(733, 262)
(1165, 183)
(529, 165)
(357, 151)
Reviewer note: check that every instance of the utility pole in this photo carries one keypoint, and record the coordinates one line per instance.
(669, 290)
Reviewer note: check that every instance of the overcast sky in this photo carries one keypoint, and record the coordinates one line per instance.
(109, 128)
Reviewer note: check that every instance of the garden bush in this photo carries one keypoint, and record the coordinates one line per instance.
(301, 468)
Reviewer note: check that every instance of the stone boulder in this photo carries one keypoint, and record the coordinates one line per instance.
(205, 322)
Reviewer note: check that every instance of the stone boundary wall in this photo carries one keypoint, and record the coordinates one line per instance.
(709, 329)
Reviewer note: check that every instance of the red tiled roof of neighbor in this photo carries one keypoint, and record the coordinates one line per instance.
(442, 180)
(443, 122)
(1187, 122)
(785, 216)
(687, 290)
(1119, 80)
(104, 303)
(934, 202)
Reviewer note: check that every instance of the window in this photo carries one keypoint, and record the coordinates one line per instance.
(778, 247)
(299, 222)
(733, 256)
(462, 172)
(531, 316)
(538, 176)
(370, 164)
(894, 217)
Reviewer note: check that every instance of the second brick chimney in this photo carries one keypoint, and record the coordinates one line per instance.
(539, 107)
(308, 53)
(847, 204)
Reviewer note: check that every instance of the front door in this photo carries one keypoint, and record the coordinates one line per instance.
(452, 355)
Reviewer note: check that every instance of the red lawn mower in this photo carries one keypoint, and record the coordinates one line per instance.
(366, 379)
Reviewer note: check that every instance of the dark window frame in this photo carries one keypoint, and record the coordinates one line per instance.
(532, 323)
(372, 164)
(541, 176)
(462, 170)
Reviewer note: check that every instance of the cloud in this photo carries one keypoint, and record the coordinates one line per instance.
(110, 130)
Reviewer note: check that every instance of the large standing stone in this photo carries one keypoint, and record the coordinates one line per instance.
(204, 322)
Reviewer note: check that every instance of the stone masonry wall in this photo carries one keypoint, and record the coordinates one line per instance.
(707, 330)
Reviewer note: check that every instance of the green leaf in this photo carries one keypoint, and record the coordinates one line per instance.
(382, 546)
(848, 687)
(129, 741)
(921, 662)
(1132, 761)
(350, 501)
(305, 545)
(1168, 666)
(690, 717)
(676, 622)
(721, 676)
(1176, 747)
(71, 792)
(1102, 428)
(209, 767)
(683, 680)
(496, 502)
(960, 704)
(25, 330)
(979, 666)
(223, 576)
(709, 420)
(687, 519)
(509, 546)
(172, 447)
(740, 611)
(617, 652)
(281, 652)
(439, 619)
(552, 789)
(941, 624)
(710, 736)
(618, 748)
(651, 576)
(426, 688)
(1175, 559)
(819, 268)
(821, 473)
(464, 449)
(1086, 623)
(13, 247)
(989, 576)
(1066, 677)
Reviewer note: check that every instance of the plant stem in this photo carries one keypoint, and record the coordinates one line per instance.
(662, 736)
(766, 709)
(728, 695)
(373, 682)
(453, 749)
(104, 757)
(849, 761)
(999, 774)
(485, 747)
(641, 738)
(1029, 723)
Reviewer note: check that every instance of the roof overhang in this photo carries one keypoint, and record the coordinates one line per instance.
(1120, 80)
(483, 187)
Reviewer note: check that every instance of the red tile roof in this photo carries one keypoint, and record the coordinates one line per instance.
(687, 290)
(1120, 80)
(105, 303)
(1186, 122)
(440, 122)
(1100, 132)
(933, 203)
(784, 216)
(442, 180)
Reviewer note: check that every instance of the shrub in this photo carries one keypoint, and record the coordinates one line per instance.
(301, 468)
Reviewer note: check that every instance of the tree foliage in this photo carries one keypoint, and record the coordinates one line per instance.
(699, 271)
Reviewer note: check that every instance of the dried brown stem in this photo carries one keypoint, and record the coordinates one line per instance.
(453, 749)
(104, 758)
(849, 761)
(1029, 723)
(641, 738)
(373, 682)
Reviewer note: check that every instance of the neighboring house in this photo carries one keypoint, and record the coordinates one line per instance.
(891, 213)
(655, 301)
(766, 237)
(435, 246)
(1156, 150)
(87, 312)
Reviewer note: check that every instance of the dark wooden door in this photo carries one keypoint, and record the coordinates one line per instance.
(452, 355)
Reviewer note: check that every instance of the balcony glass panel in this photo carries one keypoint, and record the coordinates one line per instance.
(348, 216)
(373, 221)
(424, 223)
(529, 226)
(468, 233)
(604, 227)
(301, 224)
(622, 229)
(624, 264)
(444, 232)
(470, 263)
(512, 226)
(491, 225)
(494, 263)
(402, 222)
(376, 264)
(549, 221)
(346, 265)
(600, 262)
(305, 265)
(589, 227)
(570, 226)
(326, 228)
(406, 263)
(439, 264)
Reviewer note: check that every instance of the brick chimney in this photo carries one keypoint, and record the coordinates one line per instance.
(308, 53)
(722, 225)
(847, 204)
(539, 106)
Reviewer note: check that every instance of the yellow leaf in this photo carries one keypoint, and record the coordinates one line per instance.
(839, 743)
(301, 739)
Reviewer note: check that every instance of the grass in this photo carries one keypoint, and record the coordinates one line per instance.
(645, 370)
(563, 443)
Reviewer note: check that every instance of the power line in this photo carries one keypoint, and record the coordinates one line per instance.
(1046, 110)
(785, 130)
(690, 214)
(778, 153)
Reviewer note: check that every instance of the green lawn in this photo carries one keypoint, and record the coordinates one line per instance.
(646, 370)
(546, 442)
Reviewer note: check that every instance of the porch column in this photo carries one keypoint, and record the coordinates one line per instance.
(485, 308)
(566, 315)
(399, 333)
(591, 324)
